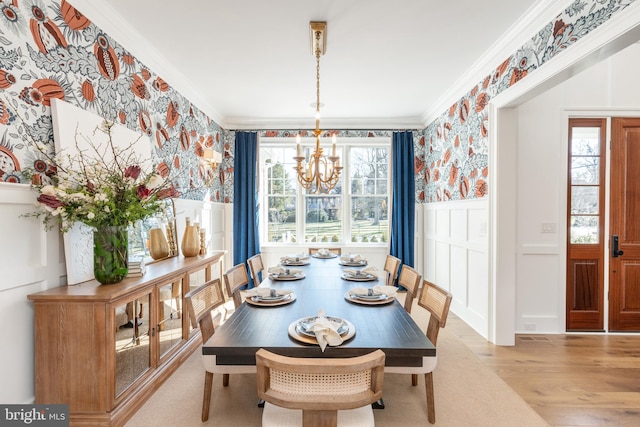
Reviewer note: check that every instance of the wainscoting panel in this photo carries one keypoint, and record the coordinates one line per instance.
(31, 260)
(456, 257)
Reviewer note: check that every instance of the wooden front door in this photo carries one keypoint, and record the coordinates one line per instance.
(624, 252)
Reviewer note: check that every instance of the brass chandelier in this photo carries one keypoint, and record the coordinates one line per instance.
(321, 173)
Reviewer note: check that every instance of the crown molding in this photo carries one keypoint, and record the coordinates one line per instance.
(106, 18)
(535, 18)
(239, 123)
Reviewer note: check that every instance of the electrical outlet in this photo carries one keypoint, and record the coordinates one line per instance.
(529, 326)
(549, 227)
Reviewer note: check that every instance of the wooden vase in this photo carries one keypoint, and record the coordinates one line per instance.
(158, 244)
(190, 240)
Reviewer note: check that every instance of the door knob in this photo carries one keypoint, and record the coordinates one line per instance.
(614, 247)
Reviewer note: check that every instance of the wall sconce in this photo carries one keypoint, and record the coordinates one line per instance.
(211, 159)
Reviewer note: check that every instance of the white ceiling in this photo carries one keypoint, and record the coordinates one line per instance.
(248, 63)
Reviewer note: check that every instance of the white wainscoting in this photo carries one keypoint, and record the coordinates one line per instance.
(31, 260)
(455, 256)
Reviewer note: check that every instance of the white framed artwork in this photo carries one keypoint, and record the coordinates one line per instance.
(74, 131)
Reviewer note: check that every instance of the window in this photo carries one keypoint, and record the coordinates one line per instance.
(585, 187)
(356, 210)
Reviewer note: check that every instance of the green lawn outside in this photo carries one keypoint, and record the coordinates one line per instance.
(330, 231)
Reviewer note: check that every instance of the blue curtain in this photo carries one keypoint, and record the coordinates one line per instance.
(404, 198)
(246, 240)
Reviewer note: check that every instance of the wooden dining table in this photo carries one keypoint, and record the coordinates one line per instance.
(387, 327)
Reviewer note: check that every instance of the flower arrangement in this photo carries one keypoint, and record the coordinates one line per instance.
(103, 185)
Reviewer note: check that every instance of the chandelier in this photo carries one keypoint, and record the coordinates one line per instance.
(321, 173)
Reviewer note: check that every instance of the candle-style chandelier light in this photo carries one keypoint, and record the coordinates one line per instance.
(321, 173)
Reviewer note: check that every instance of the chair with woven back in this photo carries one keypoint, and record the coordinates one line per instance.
(337, 251)
(234, 279)
(437, 302)
(391, 266)
(319, 392)
(256, 267)
(202, 303)
(410, 280)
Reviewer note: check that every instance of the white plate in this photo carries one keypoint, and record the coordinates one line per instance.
(296, 263)
(258, 298)
(359, 278)
(374, 297)
(296, 276)
(303, 325)
(354, 263)
(329, 255)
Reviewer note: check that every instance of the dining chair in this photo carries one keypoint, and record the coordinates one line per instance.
(391, 266)
(337, 251)
(410, 280)
(234, 279)
(256, 267)
(436, 301)
(202, 303)
(314, 392)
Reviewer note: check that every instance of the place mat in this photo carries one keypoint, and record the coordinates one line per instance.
(327, 256)
(352, 298)
(362, 278)
(296, 276)
(286, 300)
(293, 333)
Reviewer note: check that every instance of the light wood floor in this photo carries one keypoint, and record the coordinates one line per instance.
(570, 380)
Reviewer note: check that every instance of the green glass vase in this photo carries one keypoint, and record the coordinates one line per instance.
(110, 254)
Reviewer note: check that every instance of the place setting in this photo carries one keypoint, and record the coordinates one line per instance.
(353, 260)
(367, 274)
(268, 297)
(322, 330)
(295, 260)
(281, 273)
(324, 253)
(379, 294)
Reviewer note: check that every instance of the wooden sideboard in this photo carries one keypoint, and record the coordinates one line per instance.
(104, 372)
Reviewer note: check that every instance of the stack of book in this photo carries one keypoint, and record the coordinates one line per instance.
(136, 267)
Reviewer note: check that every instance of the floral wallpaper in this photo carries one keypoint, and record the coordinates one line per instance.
(49, 49)
(451, 158)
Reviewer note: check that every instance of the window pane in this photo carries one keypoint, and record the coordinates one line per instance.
(281, 224)
(585, 141)
(323, 219)
(280, 187)
(369, 219)
(584, 229)
(585, 170)
(584, 200)
(368, 170)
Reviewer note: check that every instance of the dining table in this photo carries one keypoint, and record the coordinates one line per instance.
(320, 286)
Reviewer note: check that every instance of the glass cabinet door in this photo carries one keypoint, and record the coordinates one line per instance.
(169, 316)
(133, 354)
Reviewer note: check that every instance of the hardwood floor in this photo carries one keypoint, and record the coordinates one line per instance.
(570, 380)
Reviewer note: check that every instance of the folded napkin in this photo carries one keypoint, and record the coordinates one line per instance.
(326, 331)
(281, 270)
(352, 258)
(294, 258)
(265, 292)
(368, 270)
(323, 251)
